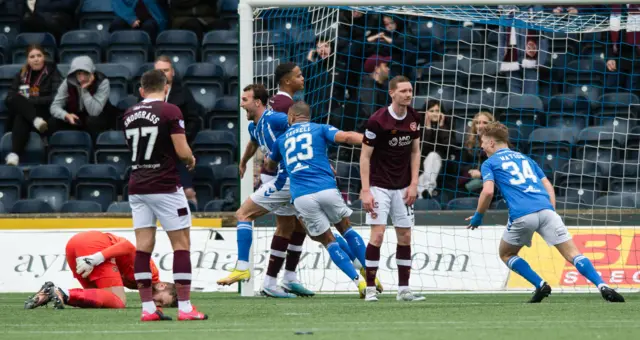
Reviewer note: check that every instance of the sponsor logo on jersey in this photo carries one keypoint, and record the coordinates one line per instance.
(369, 134)
(531, 189)
(181, 123)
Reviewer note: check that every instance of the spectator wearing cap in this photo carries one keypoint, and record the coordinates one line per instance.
(374, 86)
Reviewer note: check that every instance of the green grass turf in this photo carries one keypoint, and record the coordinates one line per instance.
(486, 316)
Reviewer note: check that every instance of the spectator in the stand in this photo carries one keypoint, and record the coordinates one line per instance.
(29, 98)
(182, 98)
(522, 52)
(146, 15)
(472, 154)
(624, 55)
(436, 140)
(328, 73)
(374, 88)
(51, 16)
(199, 16)
(82, 100)
(392, 41)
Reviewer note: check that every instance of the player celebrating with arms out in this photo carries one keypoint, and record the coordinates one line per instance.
(389, 167)
(313, 185)
(155, 135)
(531, 201)
(265, 126)
(103, 264)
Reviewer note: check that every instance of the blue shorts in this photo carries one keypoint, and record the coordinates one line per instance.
(186, 178)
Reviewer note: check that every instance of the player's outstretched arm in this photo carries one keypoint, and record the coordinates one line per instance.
(348, 137)
(365, 163)
(483, 205)
(549, 187)
(249, 152)
(183, 150)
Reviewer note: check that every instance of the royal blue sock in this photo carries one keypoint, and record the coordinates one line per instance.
(244, 239)
(341, 260)
(356, 244)
(585, 267)
(520, 266)
(344, 246)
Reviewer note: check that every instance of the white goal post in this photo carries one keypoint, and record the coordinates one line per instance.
(247, 8)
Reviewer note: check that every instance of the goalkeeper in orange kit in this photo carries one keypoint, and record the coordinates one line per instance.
(103, 264)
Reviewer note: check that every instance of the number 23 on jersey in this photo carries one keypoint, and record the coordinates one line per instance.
(298, 148)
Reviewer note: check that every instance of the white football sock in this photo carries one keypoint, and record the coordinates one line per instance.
(149, 307)
(242, 265)
(270, 282)
(185, 306)
(290, 276)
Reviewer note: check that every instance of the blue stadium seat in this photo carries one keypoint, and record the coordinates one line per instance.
(521, 111)
(119, 207)
(2, 210)
(81, 42)
(233, 82)
(31, 207)
(461, 39)
(214, 147)
(625, 200)
(71, 149)
(96, 15)
(23, 40)
(229, 63)
(135, 82)
(98, 183)
(204, 180)
(50, 183)
(592, 93)
(11, 179)
(426, 205)
(179, 45)
(580, 178)
(77, 206)
(485, 76)
(129, 48)
(7, 73)
(205, 81)
(224, 116)
(127, 102)
(111, 148)
(33, 154)
(568, 202)
(5, 48)
(214, 206)
(219, 41)
(586, 70)
(627, 184)
(229, 182)
(451, 71)
(118, 75)
(10, 27)
(63, 69)
(618, 104)
(463, 203)
(602, 136)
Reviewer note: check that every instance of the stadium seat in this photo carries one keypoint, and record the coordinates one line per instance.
(112, 149)
(204, 180)
(224, 116)
(463, 203)
(229, 183)
(10, 27)
(426, 205)
(23, 40)
(601, 136)
(135, 82)
(119, 207)
(551, 147)
(118, 75)
(179, 45)
(50, 183)
(5, 47)
(521, 111)
(71, 149)
(31, 207)
(568, 202)
(214, 147)
(2, 210)
(219, 41)
(33, 154)
(451, 71)
(205, 81)
(7, 73)
(63, 69)
(81, 43)
(127, 102)
(620, 185)
(485, 76)
(227, 60)
(98, 183)
(618, 104)
(77, 206)
(625, 200)
(96, 15)
(587, 70)
(11, 179)
(129, 48)
(591, 93)
(461, 39)
(214, 206)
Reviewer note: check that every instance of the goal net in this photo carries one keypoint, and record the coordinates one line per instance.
(545, 72)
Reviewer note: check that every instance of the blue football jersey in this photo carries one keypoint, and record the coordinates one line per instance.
(519, 179)
(303, 148)
(270, 126)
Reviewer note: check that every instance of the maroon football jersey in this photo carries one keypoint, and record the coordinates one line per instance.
(148, 127)
(280, 102)
(391, 139)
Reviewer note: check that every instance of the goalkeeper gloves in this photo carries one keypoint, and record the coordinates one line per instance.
(476, 220)
(85, 264)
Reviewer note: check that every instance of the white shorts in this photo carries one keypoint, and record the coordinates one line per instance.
(276, 201)
(320, 210)
(390, 203)
(546, 222)
(172, 210)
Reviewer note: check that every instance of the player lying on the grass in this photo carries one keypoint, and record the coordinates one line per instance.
(156, 138)
(313, 185)
(273, 196)
(103, 264)
(531, 201)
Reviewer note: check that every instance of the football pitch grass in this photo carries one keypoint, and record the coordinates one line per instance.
(451, 317)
